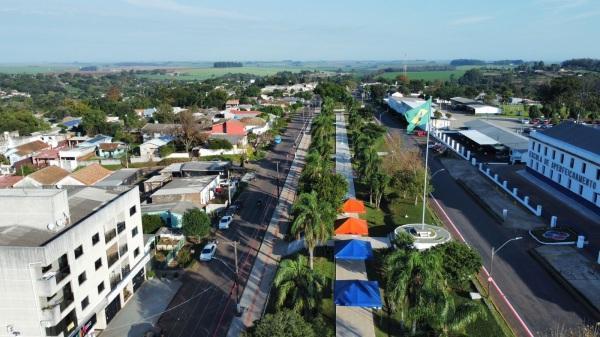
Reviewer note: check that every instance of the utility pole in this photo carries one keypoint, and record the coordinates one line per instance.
(228, 188)
(277, 162)
(237, 284)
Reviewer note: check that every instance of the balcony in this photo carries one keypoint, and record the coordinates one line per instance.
(53, 310)
(109, 235)
(49, 283)
(112, 258)
(115, 279)
(123, 250)
(125, 270)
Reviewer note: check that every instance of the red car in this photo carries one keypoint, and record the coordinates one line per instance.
(420, 133)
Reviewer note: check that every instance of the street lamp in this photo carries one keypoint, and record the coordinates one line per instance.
(494, 252)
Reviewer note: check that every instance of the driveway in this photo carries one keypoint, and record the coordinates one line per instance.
(142, 312)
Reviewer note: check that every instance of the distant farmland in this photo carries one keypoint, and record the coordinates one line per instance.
(198, 74)
(35, 69)
(426, 75)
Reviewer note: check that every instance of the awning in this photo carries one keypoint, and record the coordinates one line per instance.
(353, 226)
(478, 137)
(353, 206)
(355, 293)
(353, 250)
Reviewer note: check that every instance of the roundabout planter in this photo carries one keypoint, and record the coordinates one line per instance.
(554, 236)
(425, 236)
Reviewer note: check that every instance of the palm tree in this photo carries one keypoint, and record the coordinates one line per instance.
(299, 287)
(313, 219)
(415, 284)
(455, 318)
(315, 168)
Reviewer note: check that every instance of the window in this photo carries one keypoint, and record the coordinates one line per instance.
(78, 251)
(85, 303)
(595, 198)
(95, 239)
(583, 167)
(580, 189)
(136, 252)
(598, 174)
(551, 174)
(120, 226)
(545, 150)
(531, 162)
(134, 231)
(538, 149)
(46, 269)
(569, 184)
(81, 278)
(562, 158)
(132, 210)
(559, 178)
(553, 154)
(543, 169)
(101, 287)
(572, 163)
(532, 146)
(98, 263)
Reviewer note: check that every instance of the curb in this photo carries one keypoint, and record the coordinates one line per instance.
(565, 284)
(480, 202)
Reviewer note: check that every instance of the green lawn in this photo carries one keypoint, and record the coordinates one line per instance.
(517, 110)
(426, 75)
(198, 74)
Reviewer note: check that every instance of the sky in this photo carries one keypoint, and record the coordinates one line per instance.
(306, 30)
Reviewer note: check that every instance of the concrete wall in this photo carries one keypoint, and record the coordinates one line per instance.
(33, 208)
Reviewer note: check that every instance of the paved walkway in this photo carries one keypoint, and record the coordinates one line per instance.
(142, 312)
(349, 321)
(343, 158)
(256, 293)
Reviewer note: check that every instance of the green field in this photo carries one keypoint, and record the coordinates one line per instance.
(35, 69)
(426, 75)
(198, 74)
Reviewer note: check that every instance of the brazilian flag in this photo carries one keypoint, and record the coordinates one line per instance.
(418, 116)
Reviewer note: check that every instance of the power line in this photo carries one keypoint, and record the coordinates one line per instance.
(162, 312)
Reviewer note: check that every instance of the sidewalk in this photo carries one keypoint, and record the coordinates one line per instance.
(256, 292)
(349, 321)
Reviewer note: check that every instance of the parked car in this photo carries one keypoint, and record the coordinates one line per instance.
(525, 121)
(208, 252)
(225, 221)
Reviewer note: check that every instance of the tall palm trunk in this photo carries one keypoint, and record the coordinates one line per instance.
(413, 329)
(311, 256)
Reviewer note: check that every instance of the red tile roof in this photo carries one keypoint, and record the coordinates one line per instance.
(31, 147)
(9, 181)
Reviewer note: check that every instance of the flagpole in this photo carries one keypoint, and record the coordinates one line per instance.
(428, 128)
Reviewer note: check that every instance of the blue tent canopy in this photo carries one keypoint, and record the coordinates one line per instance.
(353, 250)
(355, 293)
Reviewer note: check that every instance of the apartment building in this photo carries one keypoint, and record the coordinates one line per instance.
(69, 258)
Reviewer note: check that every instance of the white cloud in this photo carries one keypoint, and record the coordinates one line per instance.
(469, 20)
(183, 9)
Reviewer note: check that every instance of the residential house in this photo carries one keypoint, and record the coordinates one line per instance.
(232, 104)
(230, 127)
(239, 114)
(96, 141)
(22, 154)
(197, 190)
(155, 182)
(170, 213)
(76, 140)
(46, 157)
(71, 158)
(9, 181)
(111, 150)
(70, 258)
(86, 176)
(156, 130)
(198, 168)
(71, 122)
(256, 125)
(49, 176)
(149, 149)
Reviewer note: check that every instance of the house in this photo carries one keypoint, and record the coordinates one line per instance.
(197, 190)
(70, 258)
(9, 181)
(156, 130)
(111, 150)
(238, 141)
(22, 154)
(146, 113)
(177, 110)
(95, 141)
(239, 114)
(70, 159)
(76, 140)
(155, 182)
(198, 168)
(149, 149)
(71, 122)
(125, 176)
(232, 104)
(230, 127)
(86, 176)
(49, 176)
(46, 157)
(256, 125)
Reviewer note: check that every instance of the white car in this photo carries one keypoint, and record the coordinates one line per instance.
(208, 252)
(225, 221)
(524, 121)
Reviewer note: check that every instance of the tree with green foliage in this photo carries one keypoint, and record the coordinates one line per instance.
(216, 99)
(164, 114)
(284, 322)
(151, 223)
(461, 263)
(218, 144)
(313, 221)
(298, 287)
(331, 189)
(94, 122)
(534, 112)
(195, 223)
(20, 120)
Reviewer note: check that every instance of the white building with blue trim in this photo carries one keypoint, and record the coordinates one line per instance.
(567, 157)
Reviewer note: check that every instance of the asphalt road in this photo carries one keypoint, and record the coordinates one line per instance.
(205, 304)
(541, 302)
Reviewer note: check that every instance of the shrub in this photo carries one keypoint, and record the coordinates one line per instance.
(217, 144)
(196, 223)
(166, 150)
(151, 223)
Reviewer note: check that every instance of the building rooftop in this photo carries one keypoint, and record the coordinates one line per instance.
(583, 136)
(499, 134)
(174, 207)
(82, 202)
(185, 185)
(91, 174)
(31, 147)
(9, 181)
(161, 128)
(118, 177)
(462, 100)
(49, 175)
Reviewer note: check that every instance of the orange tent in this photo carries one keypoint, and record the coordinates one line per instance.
(353, 226)
(353, 206)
